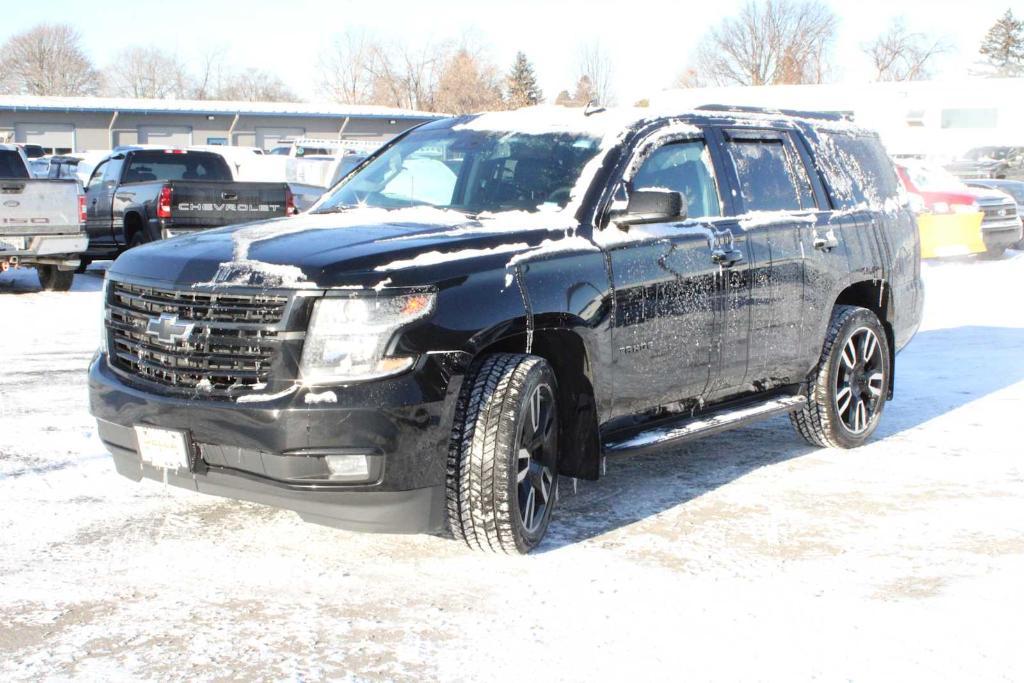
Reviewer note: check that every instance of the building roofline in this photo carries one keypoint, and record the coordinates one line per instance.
(26, 103)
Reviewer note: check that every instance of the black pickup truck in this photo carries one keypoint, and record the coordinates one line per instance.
(143, 195)
(489, 302)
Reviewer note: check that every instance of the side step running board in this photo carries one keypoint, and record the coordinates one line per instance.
(685, 428)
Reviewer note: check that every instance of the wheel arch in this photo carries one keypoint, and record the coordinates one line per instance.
(133, 223)
(566, 352)
(874, 295)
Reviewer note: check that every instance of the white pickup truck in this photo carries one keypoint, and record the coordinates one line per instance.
(41, 221)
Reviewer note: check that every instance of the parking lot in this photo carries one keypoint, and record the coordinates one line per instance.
(746, 555)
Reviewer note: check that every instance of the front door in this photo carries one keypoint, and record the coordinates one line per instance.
(669, 285)
(99, 201)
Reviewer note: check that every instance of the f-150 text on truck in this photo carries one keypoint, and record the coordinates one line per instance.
(489, 302)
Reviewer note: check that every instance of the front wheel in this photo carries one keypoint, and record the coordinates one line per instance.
(503, 458)
(850, 386)
(53, 279)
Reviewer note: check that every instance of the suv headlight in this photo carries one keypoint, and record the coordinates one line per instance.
(966, 208)
(348, 338)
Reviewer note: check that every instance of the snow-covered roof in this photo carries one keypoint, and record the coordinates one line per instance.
(206, 107)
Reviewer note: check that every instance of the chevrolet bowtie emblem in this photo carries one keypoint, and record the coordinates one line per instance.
(168, 329)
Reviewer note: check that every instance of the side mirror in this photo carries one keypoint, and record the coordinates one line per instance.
(650, 206)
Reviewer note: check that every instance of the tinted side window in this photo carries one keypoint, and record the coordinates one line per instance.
(112, 172)
(682, 167)
(857, 170)
(11, 165)
(769, 178)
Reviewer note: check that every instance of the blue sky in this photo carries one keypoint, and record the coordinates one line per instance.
(649, 40)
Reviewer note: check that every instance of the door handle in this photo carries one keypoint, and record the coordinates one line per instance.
(826, 243)
(726, 258)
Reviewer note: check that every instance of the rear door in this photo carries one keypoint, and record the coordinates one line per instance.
(775, 201)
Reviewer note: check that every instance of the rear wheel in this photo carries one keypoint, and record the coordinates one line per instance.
(502, 462)
(53, 279)
(850, 385)
(994, 253)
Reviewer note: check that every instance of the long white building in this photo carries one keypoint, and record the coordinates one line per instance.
(937, 119)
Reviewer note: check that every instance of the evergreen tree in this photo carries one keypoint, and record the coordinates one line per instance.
(521, 85)
(1003, 46)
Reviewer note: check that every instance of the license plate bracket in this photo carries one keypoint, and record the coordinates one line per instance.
(168, 449)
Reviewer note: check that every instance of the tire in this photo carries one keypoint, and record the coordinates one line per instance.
(138, 239)
(994, 253)
(83, 265)
(54, 280)
(502, 476)
(833, 417)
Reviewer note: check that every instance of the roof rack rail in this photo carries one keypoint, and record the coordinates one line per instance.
(822, 115)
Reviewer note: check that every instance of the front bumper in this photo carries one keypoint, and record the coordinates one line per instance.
(272, 452)
(1001, 234)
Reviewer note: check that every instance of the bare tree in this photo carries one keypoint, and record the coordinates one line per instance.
(254, 85)
(900, 55)
(48, 59)
(596, 65)
(582, 96)
(212, 74)
(468, 84)
(407, 77)
(345, 68)
(148, 72)
(770, 42)
(689, 78)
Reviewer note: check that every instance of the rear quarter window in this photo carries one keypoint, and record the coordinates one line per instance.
(856, 169)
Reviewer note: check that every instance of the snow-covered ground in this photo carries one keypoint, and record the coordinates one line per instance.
(744, 556)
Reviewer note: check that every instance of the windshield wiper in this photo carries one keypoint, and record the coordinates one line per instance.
(337, 209)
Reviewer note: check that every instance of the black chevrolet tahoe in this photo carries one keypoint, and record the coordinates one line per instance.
(489, 302)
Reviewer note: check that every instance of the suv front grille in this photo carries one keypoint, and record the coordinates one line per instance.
(213, 343)
(1000, 212)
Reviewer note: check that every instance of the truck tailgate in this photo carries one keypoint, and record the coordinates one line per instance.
(206, 204)
(39, 206)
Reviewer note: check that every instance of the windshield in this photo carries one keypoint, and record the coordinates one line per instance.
(1015, 190)
(933, 178)
(470, 171)
(997, 153)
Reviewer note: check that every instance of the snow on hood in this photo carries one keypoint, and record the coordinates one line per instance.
(351, 248)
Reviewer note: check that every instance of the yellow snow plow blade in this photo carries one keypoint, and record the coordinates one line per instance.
(950, 234)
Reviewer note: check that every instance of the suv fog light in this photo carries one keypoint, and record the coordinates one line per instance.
(348, 466)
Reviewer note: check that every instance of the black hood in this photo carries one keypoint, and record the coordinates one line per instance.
(358, 247)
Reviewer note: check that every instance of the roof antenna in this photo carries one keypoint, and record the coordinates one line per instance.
(593, 108)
